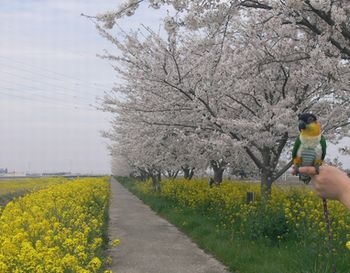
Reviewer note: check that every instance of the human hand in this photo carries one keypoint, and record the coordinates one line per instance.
(330, 183)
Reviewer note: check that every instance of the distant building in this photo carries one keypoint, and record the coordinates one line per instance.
(3, 171)
(13, 174)
(33, 174)
(57, 174)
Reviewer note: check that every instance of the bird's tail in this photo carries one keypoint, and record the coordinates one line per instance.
(305, 178)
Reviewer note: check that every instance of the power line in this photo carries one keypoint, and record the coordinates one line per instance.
(83, 81)
(102, 88)
(41, 75)
(40, 96)
(67, 106)
(40, 88)
(45, 99)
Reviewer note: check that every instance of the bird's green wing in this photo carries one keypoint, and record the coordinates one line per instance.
(296, 147)
(324, 147)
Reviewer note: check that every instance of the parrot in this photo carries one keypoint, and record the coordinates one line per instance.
(310, 146)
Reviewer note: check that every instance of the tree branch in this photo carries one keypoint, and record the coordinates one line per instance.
(241, 103)
(257, 162)
(282, 171)
(255, 4)
(179, 89)
(286, 77)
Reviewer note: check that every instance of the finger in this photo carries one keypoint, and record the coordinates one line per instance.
(317, 187)
(319, 192)
(307, 170)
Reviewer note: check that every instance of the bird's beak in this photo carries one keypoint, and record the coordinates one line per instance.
(302, 125)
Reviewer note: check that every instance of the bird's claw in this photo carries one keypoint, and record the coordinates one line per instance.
(317, 169)
(295, 170)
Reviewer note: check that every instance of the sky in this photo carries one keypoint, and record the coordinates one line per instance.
(50, 83)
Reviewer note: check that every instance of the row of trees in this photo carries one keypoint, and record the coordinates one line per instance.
(225, 86)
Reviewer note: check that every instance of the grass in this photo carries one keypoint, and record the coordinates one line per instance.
(239, 254)
(7, 197)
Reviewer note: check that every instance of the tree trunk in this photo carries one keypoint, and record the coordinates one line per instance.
(175, 174)
(191, 174)
(171, 174)
(218, 174)
(268, 177)
(266, 184)
(188, 172)
(143, 175)
(156, 182)
(218, 168)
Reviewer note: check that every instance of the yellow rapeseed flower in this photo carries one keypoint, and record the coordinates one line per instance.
(298, 207)
(116, 242)
(348, 244)
(55, 229)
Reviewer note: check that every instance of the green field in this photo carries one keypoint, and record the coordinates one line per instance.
(12, 188)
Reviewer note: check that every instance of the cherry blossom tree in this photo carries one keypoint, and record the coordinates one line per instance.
(243, 77)
(168, 149)
(120, 164)
(327, 19)
(324, 22)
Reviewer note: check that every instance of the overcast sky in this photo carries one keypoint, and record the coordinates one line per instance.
(50, 77)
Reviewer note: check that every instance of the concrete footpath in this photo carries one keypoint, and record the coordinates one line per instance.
(149, 244)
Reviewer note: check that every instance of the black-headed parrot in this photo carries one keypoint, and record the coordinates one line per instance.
(310, 146)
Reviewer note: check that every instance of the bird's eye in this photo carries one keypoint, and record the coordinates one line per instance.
(310, 119)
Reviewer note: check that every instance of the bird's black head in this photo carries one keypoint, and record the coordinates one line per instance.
(306, 118)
